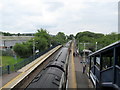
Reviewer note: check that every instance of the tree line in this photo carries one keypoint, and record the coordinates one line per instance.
(18, 34)
(41, 41)
(91, 38)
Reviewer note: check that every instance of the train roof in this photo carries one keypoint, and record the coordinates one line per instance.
(49, 78)
(111, 46)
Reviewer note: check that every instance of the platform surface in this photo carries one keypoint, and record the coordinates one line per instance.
(81, 79)
(9, 80)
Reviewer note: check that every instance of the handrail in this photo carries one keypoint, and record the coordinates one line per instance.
(97, 68)
(107, 69)
(117, 67)
(92, 67)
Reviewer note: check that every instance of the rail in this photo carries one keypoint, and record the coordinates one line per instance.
(28, 70)
(11, 68)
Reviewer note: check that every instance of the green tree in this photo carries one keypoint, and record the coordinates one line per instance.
(41, 41)
(92, 38)
(61, 37)
(70, 37)
(23, 50)
(6, 34)
(42, 33)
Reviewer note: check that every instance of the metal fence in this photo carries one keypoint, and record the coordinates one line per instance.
(7, 69)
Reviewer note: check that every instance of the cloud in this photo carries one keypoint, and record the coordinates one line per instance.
(54, 6)
(69, 16)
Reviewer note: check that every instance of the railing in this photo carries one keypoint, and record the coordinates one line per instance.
(31, 58)
(95, 70)
(5, 69)
(92, 69)
(107, 75)
(117, 76)
(17, 66)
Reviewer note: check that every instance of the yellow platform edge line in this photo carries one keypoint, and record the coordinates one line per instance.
(12, 80)
(45, 55)
(5, 86)
(74, 84)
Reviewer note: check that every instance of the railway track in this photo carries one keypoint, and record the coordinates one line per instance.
(29, 78)
(55, 74)
(29, 72)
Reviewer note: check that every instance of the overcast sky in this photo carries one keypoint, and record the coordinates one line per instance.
(68, 16)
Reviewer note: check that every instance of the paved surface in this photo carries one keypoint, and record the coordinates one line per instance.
(6, 78)
(75, 74)
(82, 80)
(71, 70)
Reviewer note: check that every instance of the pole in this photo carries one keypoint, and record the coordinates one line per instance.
(33, 46)
(33, 49)
(84, 51)
(78, 46)
(96, 46)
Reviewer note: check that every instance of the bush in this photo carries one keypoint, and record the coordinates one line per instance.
(8, 52)
(42, 40)
(23, 50)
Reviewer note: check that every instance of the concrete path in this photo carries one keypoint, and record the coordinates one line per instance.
(82, 80)
(71, 70)
(7, 77)
(12, 78)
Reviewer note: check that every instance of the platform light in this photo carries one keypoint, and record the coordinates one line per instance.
(96, 45)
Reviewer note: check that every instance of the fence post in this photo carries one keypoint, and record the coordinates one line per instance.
(15, 68)
(8, 69)
(0, 71)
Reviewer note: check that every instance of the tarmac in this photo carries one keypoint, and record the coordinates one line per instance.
(81, 79)
(7, 77)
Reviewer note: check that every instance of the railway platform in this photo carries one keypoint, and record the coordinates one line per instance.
(13, 79)
(76, 77)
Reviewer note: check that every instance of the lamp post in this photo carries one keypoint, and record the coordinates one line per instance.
(33, 46)
(84, 50)
(96, 45)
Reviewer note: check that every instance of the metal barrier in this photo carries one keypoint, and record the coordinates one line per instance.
(5, 69)
(117, 76)
(17, 66)
(95, 70)
(107, 75)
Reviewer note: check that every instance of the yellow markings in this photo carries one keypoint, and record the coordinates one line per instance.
(5, 86)
(35, 63)
(74, 84)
